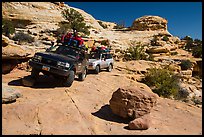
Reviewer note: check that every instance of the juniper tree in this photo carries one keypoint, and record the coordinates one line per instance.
(75, 20)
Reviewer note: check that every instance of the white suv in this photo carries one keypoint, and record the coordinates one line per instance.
(100, 60)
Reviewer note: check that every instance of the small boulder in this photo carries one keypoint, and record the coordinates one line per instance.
(141, 123)
(132, 102)
(9, 94)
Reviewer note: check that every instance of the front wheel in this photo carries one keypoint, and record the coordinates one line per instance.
(69, 80)
(82, 76)
(34, 73)
(97, 69)
(110, 68)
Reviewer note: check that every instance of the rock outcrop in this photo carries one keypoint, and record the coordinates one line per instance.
(10, 50)
(12, 54)
(9, 94)
(150, 23)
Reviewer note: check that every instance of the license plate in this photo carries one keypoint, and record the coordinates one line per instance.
(45, 68)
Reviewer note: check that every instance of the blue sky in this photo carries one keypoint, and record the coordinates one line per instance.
(184, 18)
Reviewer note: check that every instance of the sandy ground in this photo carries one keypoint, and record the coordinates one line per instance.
(83, 108)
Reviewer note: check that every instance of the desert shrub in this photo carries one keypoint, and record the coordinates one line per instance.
(7, 27)
(197, 49)
(135, 52)
(64, 27)
(189, 43)
(119, 26)
(75, 20)
(174, 53)
(105, 43)
(185, 64)
(102, 25)
(196, 100)
(162, 81)
(165, 38)
(22, 37)
(21, 23)
(154, 40)
(182, 94)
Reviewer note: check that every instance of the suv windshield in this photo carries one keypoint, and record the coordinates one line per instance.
(64, 50)
(94, 55)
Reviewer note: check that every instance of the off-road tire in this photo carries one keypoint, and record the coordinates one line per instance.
(69, 80)
(82, 76)
(34, 73)
(97, 69)
(28, 81)
(110, 68)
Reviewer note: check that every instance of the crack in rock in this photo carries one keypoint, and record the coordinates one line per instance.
(90, 129)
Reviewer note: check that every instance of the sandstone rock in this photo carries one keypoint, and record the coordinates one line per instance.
(14, 51)
(141, 123)
(5, 41)
(9, 94)
(154, 50)
(150, 23)
(132, 102)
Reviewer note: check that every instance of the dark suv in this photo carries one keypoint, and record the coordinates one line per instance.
(61, 61)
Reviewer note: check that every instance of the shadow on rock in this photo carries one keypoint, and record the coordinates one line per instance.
(106, 113)
(41, 82)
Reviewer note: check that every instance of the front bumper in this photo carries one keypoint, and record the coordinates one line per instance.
(52, 70)
(91, 67)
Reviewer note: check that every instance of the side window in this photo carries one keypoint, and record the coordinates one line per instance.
(109, 56)
(103, 56)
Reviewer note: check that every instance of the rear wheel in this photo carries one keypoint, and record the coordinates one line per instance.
(97, 69)
(69, 80)
(82, 76)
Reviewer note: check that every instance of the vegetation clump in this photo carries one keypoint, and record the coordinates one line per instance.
(22, 37)
(165, 38)
(136, 52)
(7, 27)
(102, 25)
(162, 81)
(75, 21)
(186, 64)
(194, 46)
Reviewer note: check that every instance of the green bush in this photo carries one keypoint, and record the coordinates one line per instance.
(154, 40)
(102, 25)
(197, 49)
(162, 81)
(135, 53)
(22, 37)
(185, 64)
(174, 53)
(7, 27)
(105, 42)
(64, 27)
(165, 38)
(119, 26)
(75, 20)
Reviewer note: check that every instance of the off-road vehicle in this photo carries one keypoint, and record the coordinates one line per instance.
(61, 61)
(100, 60)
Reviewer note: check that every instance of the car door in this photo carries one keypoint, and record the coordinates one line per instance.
(103, 61)
(109, 59)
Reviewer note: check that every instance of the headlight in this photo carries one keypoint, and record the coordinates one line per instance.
(63, 64)
(37, 58)
(93, 63)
